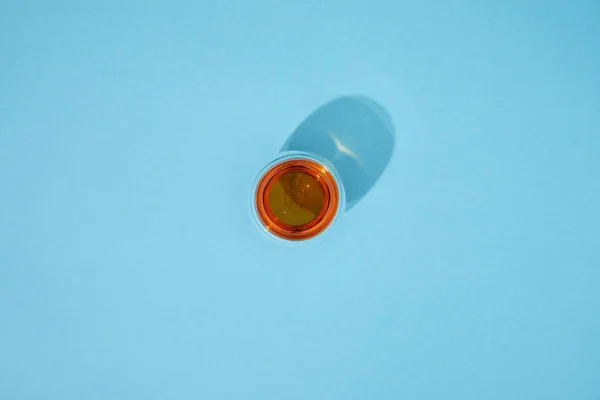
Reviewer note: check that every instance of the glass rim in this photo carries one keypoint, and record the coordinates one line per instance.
(317, 167)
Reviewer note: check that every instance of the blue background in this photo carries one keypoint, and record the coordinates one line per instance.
(130, 135)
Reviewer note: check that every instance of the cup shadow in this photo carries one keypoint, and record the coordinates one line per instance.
(355, 134)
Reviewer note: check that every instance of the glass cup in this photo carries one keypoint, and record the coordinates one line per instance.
(325, 167)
